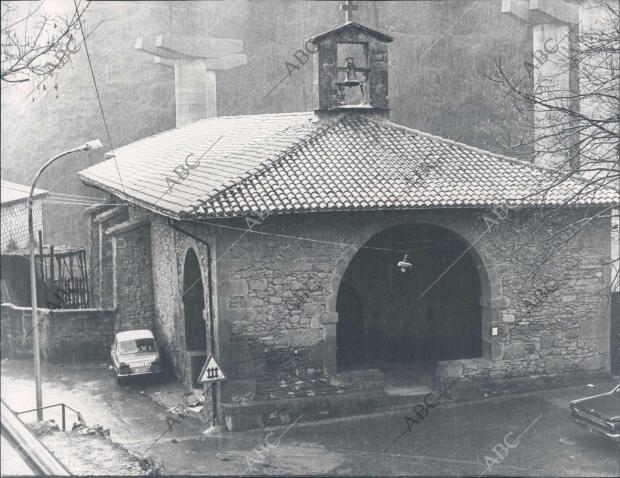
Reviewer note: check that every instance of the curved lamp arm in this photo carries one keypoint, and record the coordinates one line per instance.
(91, 145)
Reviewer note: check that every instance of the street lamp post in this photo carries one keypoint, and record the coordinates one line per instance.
(95, 144)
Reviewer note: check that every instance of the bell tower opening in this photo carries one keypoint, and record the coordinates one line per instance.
(352, 82)
(351, 67)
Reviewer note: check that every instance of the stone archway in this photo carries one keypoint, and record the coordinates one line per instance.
(194, 314)
(491, 299)
(388, 318)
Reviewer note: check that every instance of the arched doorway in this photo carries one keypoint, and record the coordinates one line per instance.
(194, 314)
(388, 319)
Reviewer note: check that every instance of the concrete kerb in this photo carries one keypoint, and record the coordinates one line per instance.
(393, 410)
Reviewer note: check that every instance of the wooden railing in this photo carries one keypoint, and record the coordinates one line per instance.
(74, 292)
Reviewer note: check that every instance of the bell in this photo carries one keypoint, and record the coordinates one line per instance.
(351, 74)
(404, 265)
(349, 64)
(350, 80)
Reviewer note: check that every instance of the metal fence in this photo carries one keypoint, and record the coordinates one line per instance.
(30, 449)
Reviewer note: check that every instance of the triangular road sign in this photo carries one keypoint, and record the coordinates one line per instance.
(211, 372)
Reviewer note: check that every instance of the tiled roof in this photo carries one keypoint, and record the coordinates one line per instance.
(296, 162)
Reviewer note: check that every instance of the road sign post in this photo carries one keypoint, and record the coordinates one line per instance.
(212, 373)
(214, 404)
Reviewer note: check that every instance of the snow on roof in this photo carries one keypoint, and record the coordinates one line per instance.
(11, 192)
(134, 334)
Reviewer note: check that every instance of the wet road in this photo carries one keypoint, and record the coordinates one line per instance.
(454, 439)
(131, 416)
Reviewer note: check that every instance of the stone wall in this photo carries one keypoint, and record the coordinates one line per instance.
(555, 323)
(168, 251)
(15, 223)
(165, 288)
(78, 335)
(277, 296)
(120, 264)
(275, 304)
(132, 274)
(272, 297)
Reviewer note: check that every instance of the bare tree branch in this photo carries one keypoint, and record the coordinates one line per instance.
(577, 125)
(34, 44)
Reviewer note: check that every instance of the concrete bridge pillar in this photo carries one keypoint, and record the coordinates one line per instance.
(195, 66)
(554, 25)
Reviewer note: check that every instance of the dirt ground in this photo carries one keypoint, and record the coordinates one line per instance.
(91, 454)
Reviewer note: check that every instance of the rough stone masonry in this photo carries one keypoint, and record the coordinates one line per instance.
(275, 299)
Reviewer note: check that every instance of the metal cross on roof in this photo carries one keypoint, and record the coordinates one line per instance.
(348, 8)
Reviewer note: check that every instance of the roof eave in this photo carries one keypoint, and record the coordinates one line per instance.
(520, 207)
(88, 181)
(369, 31)
(12, 202)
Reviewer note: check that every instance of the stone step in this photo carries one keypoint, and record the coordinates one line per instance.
(266, 413)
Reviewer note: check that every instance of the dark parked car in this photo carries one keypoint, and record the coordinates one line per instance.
(599, 414)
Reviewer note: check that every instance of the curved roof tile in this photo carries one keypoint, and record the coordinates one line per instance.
(298, 162)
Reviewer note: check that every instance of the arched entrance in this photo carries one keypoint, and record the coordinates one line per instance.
(388, 319)
(194, 314)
